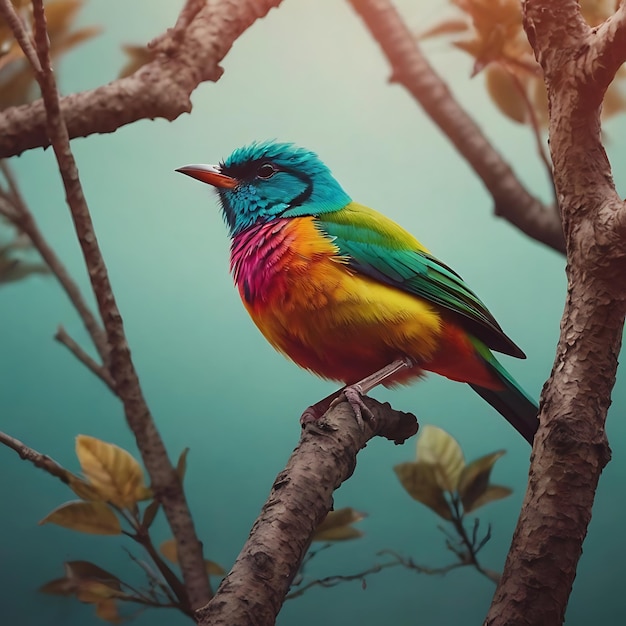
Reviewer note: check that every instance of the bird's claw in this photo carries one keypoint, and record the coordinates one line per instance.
(354, 395)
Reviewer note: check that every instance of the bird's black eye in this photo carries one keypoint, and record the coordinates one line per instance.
(266, 171)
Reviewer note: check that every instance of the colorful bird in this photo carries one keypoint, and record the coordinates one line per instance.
(344, 291)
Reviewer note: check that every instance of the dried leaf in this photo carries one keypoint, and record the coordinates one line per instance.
(474, 479)
(181, 466)
(112, 471)
(150, 513)
(94, 591)
(138, 56)
(340, 517)
(58, 587)
(493, 492)
(438, 448)
(13, 270)
(107, 611)
(342, 533)
(213, 568)
(501, 86)
(447, 27)
(336, 526)
(85, 570)
(169, 551)
(83, 489)
(420, 481)
(87, 517)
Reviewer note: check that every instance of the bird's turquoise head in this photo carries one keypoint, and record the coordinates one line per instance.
(265, 181)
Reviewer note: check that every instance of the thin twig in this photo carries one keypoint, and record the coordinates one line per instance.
(101, 372)
(36, 458)
(536, 128)
(164, 479)
(410, 68)
(24, 220)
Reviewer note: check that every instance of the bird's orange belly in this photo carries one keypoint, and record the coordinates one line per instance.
(344, 326)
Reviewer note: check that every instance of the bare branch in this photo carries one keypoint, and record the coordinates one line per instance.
(22, 218)
(410, 68)
(301, 496)
(101, 372)
(185, 56)
(165, 481)
(36, 458)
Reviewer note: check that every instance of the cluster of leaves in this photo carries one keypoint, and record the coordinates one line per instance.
(492, 33)
(17, 81)
(110, 490)
(440, 479)
(14, 264)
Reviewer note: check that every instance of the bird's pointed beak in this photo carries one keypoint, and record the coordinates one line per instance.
(209, 174)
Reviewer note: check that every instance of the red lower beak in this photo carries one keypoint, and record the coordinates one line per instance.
(209, 174)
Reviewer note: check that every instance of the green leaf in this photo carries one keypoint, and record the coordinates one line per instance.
(438, 448)
(421, 482)
(474, 479)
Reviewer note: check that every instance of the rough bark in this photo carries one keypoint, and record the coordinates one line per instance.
(186, 55)
(512, 201)
(570, 448)
(254, 590)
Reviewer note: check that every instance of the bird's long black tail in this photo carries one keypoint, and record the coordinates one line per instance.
(511, 402)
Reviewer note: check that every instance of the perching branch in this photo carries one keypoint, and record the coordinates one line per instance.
(165, 481)
(185, 56)
(570, 447)
(301, 496)
(411, 69)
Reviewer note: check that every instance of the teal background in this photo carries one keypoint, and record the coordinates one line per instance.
(308, 73)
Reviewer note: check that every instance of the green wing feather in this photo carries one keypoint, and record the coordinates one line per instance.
(377, 247)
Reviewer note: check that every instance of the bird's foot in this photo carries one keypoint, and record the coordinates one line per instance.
(354, 395)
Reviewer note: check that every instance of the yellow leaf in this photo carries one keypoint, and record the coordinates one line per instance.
(181, 466)
(438, 448)
(420, 481)
(474, 479)
(83, 489)
(112, 471)
(493, 492)
(138, 56)
(505, 93)
(340, 517)
(94, 591)
(86, 517)
(85, 570)
(213, 568)
(342, 533)
(169, 551)
(336, 526)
